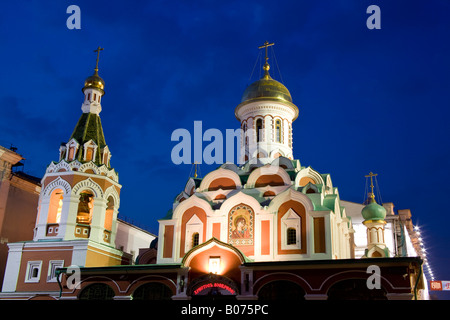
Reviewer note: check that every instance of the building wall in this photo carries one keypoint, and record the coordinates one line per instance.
(130, 239)
(19, 196)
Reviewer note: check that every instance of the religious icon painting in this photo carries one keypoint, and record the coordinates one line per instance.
(240, 225)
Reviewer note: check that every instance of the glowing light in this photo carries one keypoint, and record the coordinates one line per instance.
(214, 285)
(214, 265)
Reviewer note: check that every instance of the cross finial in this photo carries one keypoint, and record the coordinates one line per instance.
(371, 175)
(266, 66)
(98, 56)
(266, 45)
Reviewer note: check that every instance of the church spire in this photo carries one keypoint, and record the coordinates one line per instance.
(87, 141)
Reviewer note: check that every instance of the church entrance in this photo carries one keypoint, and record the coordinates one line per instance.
(213, 287)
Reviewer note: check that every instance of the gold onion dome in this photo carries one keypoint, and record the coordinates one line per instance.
(94, 81)
(266, 88)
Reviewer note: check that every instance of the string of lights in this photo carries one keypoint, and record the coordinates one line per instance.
(423, 252)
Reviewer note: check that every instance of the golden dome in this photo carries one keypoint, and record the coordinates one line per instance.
(94, 81)
(267, 88)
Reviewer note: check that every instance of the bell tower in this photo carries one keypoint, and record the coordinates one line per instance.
(266, 113)
(80, 192)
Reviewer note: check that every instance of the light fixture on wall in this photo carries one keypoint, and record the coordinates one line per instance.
(214, 265)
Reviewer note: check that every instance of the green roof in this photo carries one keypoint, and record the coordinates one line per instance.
(89, 127)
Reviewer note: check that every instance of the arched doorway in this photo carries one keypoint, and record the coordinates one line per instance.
(153, 291)
(281, 290)
(97, 291)
(355, 289)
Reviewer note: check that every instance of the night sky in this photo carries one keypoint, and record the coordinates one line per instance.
(369, 100)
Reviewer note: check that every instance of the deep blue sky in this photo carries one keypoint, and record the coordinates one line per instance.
(369, 100)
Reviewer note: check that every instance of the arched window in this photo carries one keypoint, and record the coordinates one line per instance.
(278, 131)
(153, 291)
(195, 239)
(290, 231)
(97, 291)
(85, 207)
(259, 130)
(194, 233)
(55, 206)
(106, 158)
(71, 153)
(355, 289)
(89, 154)
(291, 236)
(281, 290)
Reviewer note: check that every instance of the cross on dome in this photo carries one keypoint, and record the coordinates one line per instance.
(98, 56)
(266, 66)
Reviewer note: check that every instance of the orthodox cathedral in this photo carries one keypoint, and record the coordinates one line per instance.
(268, 229)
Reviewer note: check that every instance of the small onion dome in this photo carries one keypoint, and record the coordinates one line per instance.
(94, 82)
(373, 211)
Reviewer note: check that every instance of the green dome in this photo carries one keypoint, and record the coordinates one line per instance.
(373, 211)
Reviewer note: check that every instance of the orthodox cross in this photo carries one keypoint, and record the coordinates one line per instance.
(98, 55)
(195, 164)
(371, 175)
(266, 45)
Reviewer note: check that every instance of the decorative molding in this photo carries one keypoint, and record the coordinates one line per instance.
(88, 184)
(192, 201)
(58, 183)
(217, 174)
(308, 173)
(268, 170)
(89, 165)
(111, 191)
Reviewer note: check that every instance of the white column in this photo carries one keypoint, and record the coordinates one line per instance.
(69, 217)
(98, 219)
(12, 267)
(41, 224)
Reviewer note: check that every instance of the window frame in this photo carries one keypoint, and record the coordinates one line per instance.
(291, 220)
(52, 266)
(31, 266)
